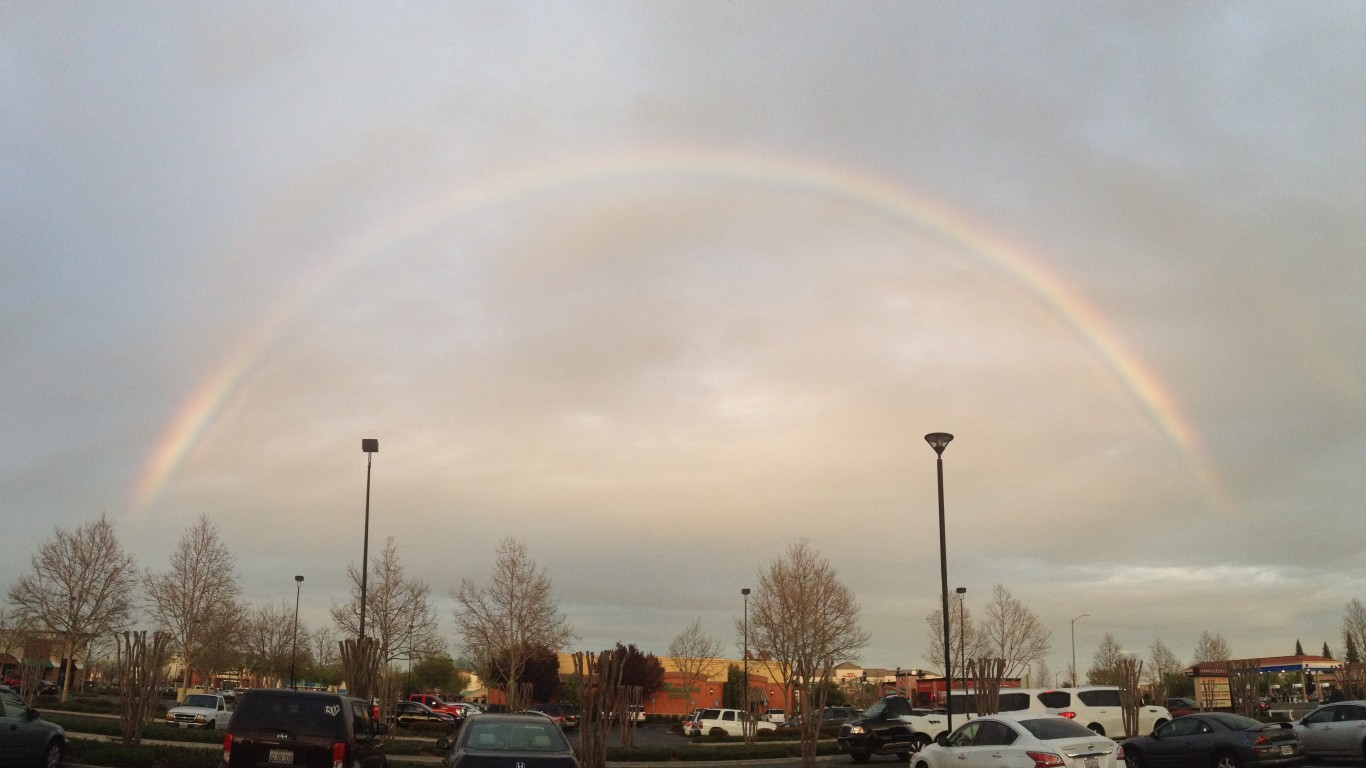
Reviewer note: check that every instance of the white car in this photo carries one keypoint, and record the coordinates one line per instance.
(1334, 730)
(728, 721)
(1100, 708)
(1023, 740)
(200, 710)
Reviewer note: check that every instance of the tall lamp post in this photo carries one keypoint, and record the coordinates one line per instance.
(745, 592)
(939, 441)
(298, 587)
(1074, 646)
(962, 639)
(371, 446)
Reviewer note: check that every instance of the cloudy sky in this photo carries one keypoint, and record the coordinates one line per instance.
(659, 289)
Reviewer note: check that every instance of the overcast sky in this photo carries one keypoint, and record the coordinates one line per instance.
(659, 289)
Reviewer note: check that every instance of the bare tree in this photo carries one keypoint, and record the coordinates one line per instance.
(322, 642)
(1211, 648)
(966, 640)
(1163, 669)
(503, 624)
(1012, 632)
(809, 622)
(1354, 627)
(196, 600)
(398, 611)
(267, 639)
(1106, 668)
(81, 587)
(694, 653)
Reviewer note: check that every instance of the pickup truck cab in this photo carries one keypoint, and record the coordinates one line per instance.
(437, 704)
(200, 710)
(890, 727)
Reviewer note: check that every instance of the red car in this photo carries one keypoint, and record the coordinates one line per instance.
(438, 704)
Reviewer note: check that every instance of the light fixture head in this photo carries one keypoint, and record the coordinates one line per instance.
(938, 441)
(744, 590)
(369, 444)
(299, 579)
(961, 590)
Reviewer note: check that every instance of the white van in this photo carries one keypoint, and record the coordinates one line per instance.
(1011, 700)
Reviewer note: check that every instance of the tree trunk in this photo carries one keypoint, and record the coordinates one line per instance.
(141, 670)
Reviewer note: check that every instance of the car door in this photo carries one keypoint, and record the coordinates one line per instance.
(1316, 730)
(1181, 743)
(1343, 733)
(992, 747)
(1106, 709)
(20, 740)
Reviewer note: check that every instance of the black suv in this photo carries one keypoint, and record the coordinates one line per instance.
(890, 727)
(279, 726)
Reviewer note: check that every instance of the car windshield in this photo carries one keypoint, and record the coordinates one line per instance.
(1238, 722)
(201, 700)
(520, 736)
(1045, 728)
(300, 716)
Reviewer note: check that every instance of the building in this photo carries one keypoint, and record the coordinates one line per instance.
(1299, 678)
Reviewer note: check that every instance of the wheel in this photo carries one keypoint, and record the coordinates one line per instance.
(52, 756)
(717, 732)
(1098, 728)
(919, 742)
(1133, 759)
(1227, 760)
(1158, 724)
(860, 757)
(212, 725)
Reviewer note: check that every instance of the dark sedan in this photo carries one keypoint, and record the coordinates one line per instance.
(499, 741)
(412, 714)
(1217, 740)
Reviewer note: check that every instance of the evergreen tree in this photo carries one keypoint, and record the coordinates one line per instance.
(1299, 649)
(1352, 654)
(1327, 652)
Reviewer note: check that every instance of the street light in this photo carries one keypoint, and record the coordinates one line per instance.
(1074, 646)
(962, 639)
(410, 657)
(298, 587)
(371, 446)
(939, 441)
(745, 592)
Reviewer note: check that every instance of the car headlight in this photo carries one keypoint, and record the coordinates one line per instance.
(855, 729)
(201, 719)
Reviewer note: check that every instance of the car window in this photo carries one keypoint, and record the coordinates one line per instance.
(728, 715)
(964, 736)
(360, 718)
(1108, 697)
(709, 714)
(1323, 715)
(1045, 728)
(1183, 726)
(310, 715)
(1351, 713)
(993, 733)
(1014, 702)
(12, 705)
(1056, 699)
(897, 708)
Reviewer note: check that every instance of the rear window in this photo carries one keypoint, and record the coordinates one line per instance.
(1045, 728)
(1107, 697)
(1056, 699)
(1014, 702)
(299, 715)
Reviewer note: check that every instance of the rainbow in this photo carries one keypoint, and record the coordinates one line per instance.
(202, 407)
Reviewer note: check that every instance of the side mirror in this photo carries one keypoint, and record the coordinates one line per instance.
(381, 729)
(942, 739)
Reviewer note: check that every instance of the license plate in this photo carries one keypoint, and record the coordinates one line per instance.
(1092, 762)
(1287, 749)
(281, 757)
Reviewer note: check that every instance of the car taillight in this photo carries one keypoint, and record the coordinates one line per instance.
(339, 754)
(227, 749)
(1069, 714)
(1045, 760)
(1119, 755)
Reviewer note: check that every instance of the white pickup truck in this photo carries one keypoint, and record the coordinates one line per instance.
(200, 710)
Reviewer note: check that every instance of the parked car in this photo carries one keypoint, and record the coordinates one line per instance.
(500, 740)
(1334, 730)
(412, 714)
(728, 722)
(438, 704)
(1021, 740)
(564, 714)
(1100, 708)
(25, 737)
(890, 727)
(280, 726)
(200, 710)
(830, 717)
(1215, 740)
(774, 716)
(1179, 706)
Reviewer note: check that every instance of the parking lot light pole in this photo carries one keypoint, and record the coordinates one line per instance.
(939, 441)
(298, 587)
(962, 639)
(371, 446)
(1074, 646)
(745, 593)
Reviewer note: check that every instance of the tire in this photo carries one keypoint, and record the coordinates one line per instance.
(52, 755)
(1098, 728)
(212, 725)
(1133, 759)
(717, 732)
(919, 742)
(1227, 760)
(860, 757)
